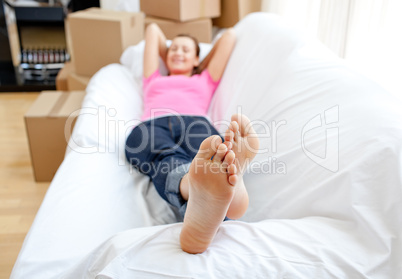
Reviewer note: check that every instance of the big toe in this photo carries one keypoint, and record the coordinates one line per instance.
(244, 124)
(220, 153)
(209, 147)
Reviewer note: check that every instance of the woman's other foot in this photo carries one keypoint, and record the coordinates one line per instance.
(244, 143)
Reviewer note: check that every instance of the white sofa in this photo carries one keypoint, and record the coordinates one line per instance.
(325, 190)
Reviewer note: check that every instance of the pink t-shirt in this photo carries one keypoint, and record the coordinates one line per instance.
(177, 94)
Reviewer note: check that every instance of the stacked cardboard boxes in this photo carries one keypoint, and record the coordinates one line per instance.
(96, 38)
(182, 16)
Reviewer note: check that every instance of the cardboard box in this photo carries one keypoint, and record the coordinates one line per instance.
(77, 82)
(181, 10)
(68, 80)
(99, 37)
(234, 10)
(199, 28)
(49, 131)
(62, 75)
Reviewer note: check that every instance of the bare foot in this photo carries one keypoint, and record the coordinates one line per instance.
(245, 143)
(210, 181)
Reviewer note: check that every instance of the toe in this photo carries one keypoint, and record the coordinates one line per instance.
(232, 169)
(220, 153)
(244, 124)
(209, 147)
(232, 179)
(228, 144)
(230, 157)
(234, 127)
(232, 174)
(229, 135)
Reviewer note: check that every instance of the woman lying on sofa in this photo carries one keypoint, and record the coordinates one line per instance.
(191, 166)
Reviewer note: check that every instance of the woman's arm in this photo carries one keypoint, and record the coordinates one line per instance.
(218, 57)
(155, 47)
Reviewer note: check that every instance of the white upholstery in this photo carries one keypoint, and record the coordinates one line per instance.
(329, 205)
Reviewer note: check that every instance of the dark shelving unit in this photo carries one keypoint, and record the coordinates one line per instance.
(29, 75)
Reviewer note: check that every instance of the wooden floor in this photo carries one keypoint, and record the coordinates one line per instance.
(20, 195)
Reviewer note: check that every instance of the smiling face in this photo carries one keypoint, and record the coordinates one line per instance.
(182, 56)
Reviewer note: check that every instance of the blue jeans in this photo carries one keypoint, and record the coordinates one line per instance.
(163, 148)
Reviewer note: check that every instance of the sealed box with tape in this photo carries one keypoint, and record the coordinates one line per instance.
(49, 123)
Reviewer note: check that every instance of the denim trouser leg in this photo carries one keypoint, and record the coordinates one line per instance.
(163, 149)
(172, 188)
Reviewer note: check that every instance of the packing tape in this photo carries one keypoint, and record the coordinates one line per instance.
(202, 8)
(59, 104)
(132, 21)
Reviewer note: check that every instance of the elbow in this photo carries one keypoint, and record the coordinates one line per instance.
(231, 31)
(230, 35)
(230, 38)
(152, 25)
(151, 28)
